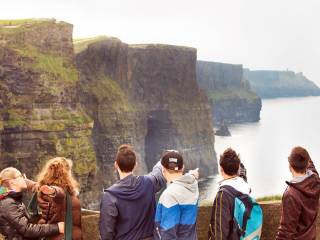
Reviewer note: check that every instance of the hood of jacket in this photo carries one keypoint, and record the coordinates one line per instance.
(188, 181)
(308, 185)
(237, 183)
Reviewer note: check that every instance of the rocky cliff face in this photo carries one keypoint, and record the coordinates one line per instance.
(273, 84)
(146, 95)
(232, 100)
(40, 115)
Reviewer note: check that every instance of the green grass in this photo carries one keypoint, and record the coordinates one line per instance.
(269, 198)
(108, 90)
(14, 22)
(57, 66)
(82, 43)
(217, 95)
(50, 63)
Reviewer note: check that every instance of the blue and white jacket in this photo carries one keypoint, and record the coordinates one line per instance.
(177, 210)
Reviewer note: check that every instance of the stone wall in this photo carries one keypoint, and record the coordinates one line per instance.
(271, 211)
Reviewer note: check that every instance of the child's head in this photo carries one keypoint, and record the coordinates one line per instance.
(126, 159)
(229, 163)
(298, 160)
(172, 163)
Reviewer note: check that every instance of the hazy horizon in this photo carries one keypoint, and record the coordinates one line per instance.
(260, 35)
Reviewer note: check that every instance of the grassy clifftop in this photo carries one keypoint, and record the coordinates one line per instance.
(15, 22)
(81, 44)
(231, 94)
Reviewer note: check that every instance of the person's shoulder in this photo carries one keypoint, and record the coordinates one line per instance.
(228, 190)
(8, 203)
(147, 177)
(8, 200)
(290, 194)
(146, 180)
(108, 197)
(169, 192)
(227, 193)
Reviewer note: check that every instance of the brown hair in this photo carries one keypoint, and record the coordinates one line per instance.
(230, 162)
(299, 159)
(8, 174)
(126, 158)
(57, 172)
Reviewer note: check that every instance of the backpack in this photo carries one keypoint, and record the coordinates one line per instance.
(34, 212)
(247, 216)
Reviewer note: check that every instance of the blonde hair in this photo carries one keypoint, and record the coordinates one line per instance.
(57, 172)
(8, 174)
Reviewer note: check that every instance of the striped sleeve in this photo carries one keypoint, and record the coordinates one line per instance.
(221, 218)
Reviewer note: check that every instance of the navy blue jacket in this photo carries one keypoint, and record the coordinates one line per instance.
(127, 209)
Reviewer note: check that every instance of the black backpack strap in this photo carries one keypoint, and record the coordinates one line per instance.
(245, 199)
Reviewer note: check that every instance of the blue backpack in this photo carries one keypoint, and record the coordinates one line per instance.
(247, 216)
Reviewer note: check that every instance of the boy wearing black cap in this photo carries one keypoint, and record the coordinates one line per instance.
(300, 201)
(177, 208)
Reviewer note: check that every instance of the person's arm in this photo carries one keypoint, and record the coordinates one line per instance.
(167, 218)
(312, 168)
(32, 186)
(108, 217)
(18, 220)
(221, 217)
(157, 177)
(290, 213)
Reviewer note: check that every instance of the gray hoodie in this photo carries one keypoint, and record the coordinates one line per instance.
(177, 210)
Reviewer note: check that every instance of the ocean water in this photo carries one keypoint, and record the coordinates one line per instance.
(264, 146)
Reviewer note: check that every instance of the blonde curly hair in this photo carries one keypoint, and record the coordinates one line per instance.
(57, 172)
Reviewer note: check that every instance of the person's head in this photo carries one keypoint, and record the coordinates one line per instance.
(229, 163)
(58, 172)
(172, 163)
(13, 179)
(298, 160)
(126, 159)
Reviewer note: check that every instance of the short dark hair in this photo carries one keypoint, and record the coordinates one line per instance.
(126, 158)
(230, 162)
(299, 159)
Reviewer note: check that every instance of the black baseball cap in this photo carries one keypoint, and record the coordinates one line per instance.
(172, 160)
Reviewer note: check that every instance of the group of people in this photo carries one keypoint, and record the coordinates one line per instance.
(129, 209)
(54, 212)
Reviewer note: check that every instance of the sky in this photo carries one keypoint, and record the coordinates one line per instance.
(260, 34)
